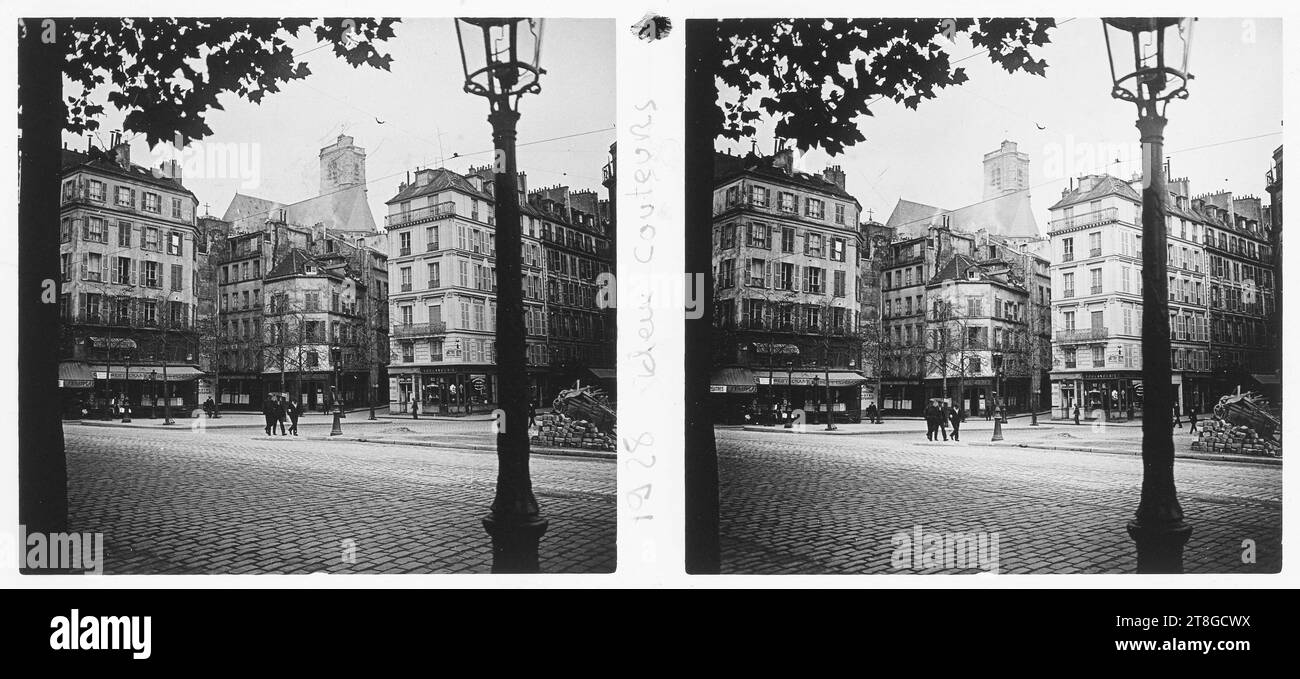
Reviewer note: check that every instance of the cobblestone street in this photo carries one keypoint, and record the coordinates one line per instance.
(233, 500)
(811, 503)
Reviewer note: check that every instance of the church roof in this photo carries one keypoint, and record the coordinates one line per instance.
(1008, 216)
(343, 210)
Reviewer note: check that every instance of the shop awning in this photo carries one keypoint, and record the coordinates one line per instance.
(838, 378)
(732, 381)
(1267, 378)
(764, 348)
(112, 342)
(76, 375)
(603, 373)
(175, 373)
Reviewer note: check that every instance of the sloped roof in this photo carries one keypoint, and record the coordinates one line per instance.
(726, 166)
(1106, 186)
(104, 162)
(954, 269)
(1009, 216)
(244, 207)
(343, 210)
(910, 219)
(295, 264)
(442, 179)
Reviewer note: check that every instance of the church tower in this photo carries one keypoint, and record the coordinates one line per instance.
(1006, 170)
(342, 164)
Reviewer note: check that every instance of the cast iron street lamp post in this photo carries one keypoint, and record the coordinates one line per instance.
(1158, 528)
(508, 69)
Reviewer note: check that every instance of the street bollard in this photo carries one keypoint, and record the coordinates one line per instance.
(997, 428)
(338, 426)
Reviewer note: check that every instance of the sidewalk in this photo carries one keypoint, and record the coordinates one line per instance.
(901, 425)
(233, 420)
(1107, 450)
(458, 445)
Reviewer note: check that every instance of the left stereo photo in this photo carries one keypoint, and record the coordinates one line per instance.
(316, 296)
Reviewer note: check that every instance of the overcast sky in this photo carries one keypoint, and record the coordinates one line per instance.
(426, 117)
(934, 154)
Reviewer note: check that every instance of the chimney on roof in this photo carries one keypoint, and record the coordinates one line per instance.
(120, 149)
(835, 175)
(783, 158)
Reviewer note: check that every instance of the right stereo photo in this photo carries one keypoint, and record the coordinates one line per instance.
(984, 295)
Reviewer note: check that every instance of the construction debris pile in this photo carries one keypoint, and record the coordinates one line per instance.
(1219, 436)
(562, 431)
(579, 418)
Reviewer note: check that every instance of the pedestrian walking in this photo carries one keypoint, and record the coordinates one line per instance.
(268, 413)
(1076, 413)
(931, 420)
(1178, 419)
(1191, 416)
(955, 417)
(943, 418)
(872, 413)
(293, 410)
(532, 414)
(280, 415)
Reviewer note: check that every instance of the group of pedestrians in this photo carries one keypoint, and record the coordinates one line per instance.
(281, 411)
(941, 415)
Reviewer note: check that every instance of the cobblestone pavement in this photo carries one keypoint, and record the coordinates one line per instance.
(237, 501)
(834, 504)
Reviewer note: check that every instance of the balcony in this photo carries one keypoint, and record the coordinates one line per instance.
(1095, 290)
(427, 213)
(607, 172)
(406, 287)
(431, 247)
(1069, 292)
(402, 252)
(1095, 252)
(1101, 216)
(1082, 335)
(419, 329)
(1067, 257)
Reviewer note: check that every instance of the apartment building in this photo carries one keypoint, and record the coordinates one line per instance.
(128, 282)
(785, 267)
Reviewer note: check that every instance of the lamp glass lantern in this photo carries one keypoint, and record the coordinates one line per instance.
(500, 56)
(1159, 46)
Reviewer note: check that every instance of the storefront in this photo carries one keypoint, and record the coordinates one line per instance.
(77, 389)
(817, 393)
(1099, 395)
(733, 397)
(443, 389)
(146, 388)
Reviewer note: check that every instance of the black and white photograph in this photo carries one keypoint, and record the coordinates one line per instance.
(316, 295)
(985, 295)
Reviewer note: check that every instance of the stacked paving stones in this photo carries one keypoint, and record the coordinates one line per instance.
(558, 430)
(1218, 436)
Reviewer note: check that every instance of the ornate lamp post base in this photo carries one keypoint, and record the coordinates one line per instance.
(514, 542)
(1159, 546)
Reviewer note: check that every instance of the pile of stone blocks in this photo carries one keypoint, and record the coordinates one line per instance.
(1218, 436)
(560, 431)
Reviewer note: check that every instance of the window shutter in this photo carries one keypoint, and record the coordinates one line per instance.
(795, 272)
(81, 303)
(748, 266)
(85, 228)
(805, 277)
(767, 274)
(767, 197)
(767, 240)
(85, 266)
